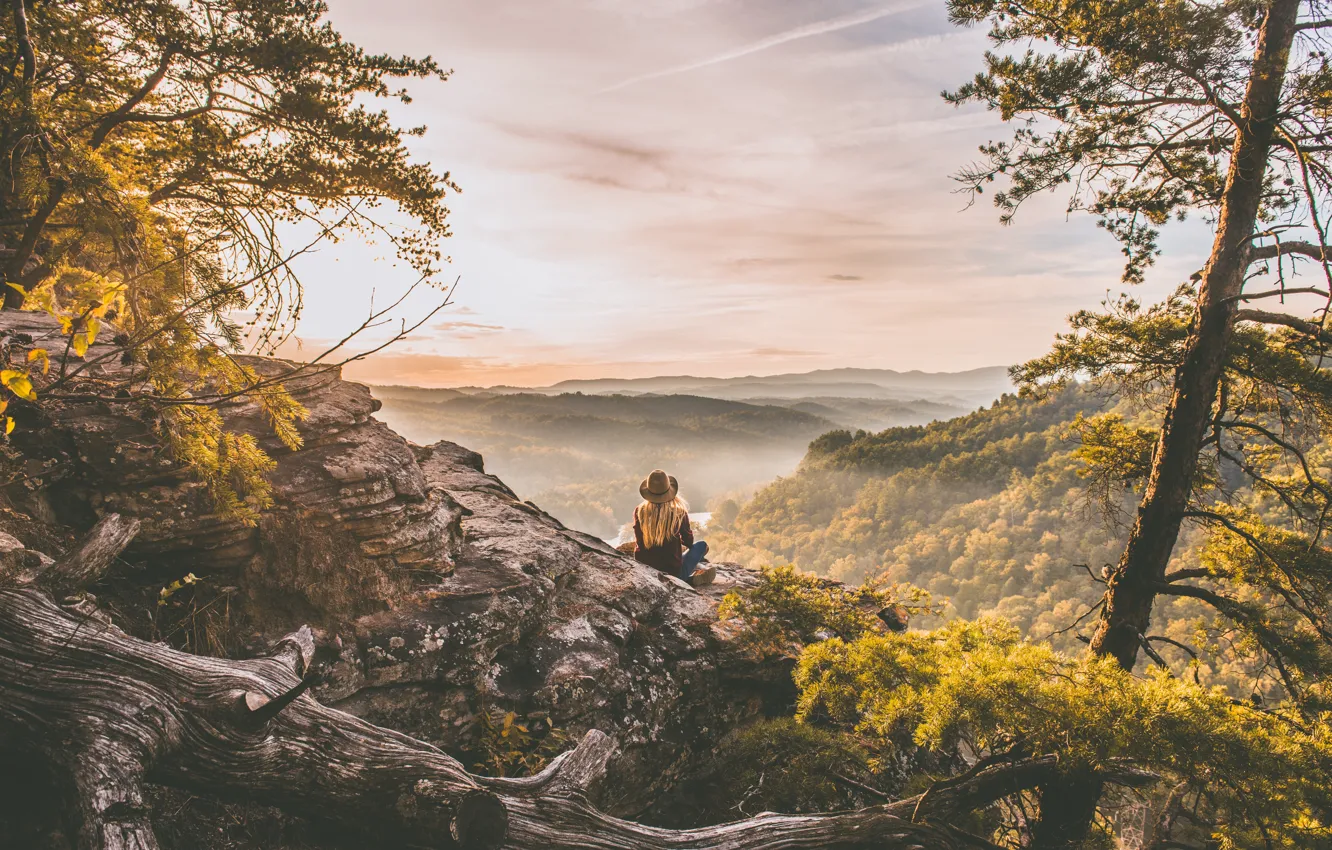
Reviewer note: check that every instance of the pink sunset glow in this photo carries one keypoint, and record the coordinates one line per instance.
(717, 187)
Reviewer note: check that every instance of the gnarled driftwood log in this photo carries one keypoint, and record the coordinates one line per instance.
(111, 712)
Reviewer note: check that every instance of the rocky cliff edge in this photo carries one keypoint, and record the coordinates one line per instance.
(438, 594)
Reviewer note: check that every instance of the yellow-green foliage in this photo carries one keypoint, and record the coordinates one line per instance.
(1254, 774)
(159, 207)
(1276, 595)
(1114, 457)
(231, 466)
(978, 686)
(508, 746)
(788, 608)
(184, 369)
(1107, 443)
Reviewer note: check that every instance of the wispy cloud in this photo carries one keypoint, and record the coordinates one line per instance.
(762, 262)
(787, 205)
(466, 326)
(807, 31)
(588, 142)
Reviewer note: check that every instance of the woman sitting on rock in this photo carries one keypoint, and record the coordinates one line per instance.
(662, 533)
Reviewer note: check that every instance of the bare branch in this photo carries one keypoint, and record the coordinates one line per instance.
(572, 772)
(1181, 575)
(24, 41)
(311, 369)
(259, 708)
(1163, 639)
(88, 561)
(1234, 609)
(1277, 293)
(1153, 654)
(859, 786)
(296, 650)
(111, 121)
(1304, 326)
(1309, 476)
(31, 233)
(1311, 250)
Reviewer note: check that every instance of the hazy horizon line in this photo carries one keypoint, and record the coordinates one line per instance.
(739, 377)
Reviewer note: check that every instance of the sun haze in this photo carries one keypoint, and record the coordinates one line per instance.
(716, 187)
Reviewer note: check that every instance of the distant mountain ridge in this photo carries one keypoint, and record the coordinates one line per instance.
(967, 388)
(982, 375)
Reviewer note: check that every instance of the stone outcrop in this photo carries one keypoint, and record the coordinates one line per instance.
(561, 628)
(353, 496)
(438, 594)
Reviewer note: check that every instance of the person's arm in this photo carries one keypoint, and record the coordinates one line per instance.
(686, 532)
(638, 533)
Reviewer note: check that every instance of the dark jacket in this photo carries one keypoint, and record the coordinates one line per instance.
(669, 557)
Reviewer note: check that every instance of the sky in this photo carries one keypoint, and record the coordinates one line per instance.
(709, 187)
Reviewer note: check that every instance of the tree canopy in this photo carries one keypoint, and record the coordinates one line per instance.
(161, 156)
(1004, 732)
(1136, 108)
(1150, 111)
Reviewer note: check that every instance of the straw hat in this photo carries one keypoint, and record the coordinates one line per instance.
(659, 488)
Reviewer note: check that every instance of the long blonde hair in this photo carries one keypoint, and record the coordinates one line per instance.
(661, 522)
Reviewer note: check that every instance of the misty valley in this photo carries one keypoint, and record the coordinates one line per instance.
(579, 449)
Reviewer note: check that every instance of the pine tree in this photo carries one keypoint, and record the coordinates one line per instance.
(1147, 111)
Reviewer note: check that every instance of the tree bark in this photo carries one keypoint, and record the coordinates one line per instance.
(1131, 591)
(32, 231)
(24, 41)
(106, 809)
(1068, 809)
(92, 557)
(13, 269)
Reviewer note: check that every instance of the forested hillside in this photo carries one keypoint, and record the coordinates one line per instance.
(987, 511)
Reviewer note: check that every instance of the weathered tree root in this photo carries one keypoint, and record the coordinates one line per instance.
(111, 712)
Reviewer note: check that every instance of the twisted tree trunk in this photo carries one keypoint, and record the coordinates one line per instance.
(1132, 585)
(110, 712)
(1069, 809)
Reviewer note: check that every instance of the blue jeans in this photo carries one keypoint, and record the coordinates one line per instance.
(692, 556)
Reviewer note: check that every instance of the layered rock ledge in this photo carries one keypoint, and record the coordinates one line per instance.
(437, 592)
